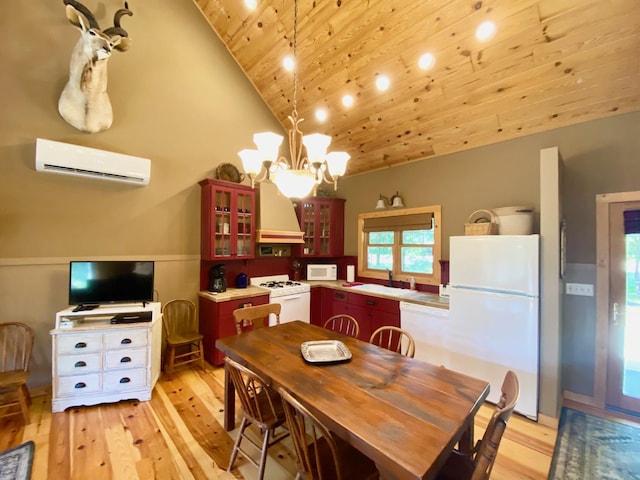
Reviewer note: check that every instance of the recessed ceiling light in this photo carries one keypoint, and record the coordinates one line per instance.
(426, 61)
(347, 101)
(486, 31)
(251, 4)
(288, 63)
(383, 82)
(321, 115)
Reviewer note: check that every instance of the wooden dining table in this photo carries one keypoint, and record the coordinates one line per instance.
(404, 414)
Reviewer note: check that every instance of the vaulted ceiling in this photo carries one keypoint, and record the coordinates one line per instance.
(551, 63)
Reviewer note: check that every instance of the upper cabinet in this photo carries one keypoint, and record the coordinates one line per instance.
(227, 220)
(322, 222)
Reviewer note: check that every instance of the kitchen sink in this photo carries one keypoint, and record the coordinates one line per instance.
(385, 290)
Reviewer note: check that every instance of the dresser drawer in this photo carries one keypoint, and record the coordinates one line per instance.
(125, 379)
(126, 339)
(79, 343)
(79, 364)
(79, 384)
(126, 358)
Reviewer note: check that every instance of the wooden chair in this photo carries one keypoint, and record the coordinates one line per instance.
(16, 345)
(184, 341)
(477, 464)
(343, 323)
(258, 316)
(394, 339)
(262, 407)
(327, 457)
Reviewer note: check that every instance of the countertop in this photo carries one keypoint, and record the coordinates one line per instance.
(420, 298)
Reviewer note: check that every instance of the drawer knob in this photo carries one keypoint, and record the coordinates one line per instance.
(371, 302)
(125, 359)
(125, 380)
(81, 363)
(125, 341)
(81, 345)
(80, 385)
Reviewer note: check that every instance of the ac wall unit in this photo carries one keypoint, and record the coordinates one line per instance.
(67, 159)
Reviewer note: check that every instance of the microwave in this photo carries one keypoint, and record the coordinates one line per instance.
(322, 272)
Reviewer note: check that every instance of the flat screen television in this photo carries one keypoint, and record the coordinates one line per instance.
(94, 283)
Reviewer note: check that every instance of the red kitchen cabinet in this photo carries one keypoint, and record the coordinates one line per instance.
(322, 222)
(216, 321)
(227, 220)
(370, 312)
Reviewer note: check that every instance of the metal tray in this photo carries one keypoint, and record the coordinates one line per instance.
(325, 351)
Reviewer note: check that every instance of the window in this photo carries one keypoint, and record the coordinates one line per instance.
(405, 242)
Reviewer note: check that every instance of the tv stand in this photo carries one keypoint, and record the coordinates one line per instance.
(95, 361)
(85, 307)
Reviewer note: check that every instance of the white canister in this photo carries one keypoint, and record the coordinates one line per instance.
(514, 220)
(351, 273)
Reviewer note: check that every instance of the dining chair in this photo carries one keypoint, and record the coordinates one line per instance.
(262, 407)
(321, 455)
(184, 341)
(343, 323)
(394, 339)
(257, 316)
(16, 345)
(477, 464)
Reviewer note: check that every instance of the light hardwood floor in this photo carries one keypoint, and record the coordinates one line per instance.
(178, 435)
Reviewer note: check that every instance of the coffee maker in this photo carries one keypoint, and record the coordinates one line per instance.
(217, 280)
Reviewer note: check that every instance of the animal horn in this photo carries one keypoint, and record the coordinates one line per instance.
(117, 29)
(85, 11)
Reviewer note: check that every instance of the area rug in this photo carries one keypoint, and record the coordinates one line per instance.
(15, 463)
(590, 447)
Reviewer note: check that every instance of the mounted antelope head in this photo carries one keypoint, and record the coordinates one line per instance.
(84, 102)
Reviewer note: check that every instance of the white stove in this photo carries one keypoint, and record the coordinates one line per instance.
(280, 285)
(293, 296)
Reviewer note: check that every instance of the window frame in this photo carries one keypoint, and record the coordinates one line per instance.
(398, 275)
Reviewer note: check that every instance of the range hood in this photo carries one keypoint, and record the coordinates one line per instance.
(277, 221)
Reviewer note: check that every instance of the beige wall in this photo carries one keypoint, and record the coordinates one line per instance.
(178, 99)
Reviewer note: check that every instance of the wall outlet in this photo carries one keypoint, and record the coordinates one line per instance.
(584, 289)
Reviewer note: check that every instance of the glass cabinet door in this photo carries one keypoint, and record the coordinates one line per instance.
(222, 238)
(243, 230)
(309, 227)
(324, 232)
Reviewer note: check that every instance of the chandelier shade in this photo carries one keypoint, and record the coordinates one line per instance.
(300, 174)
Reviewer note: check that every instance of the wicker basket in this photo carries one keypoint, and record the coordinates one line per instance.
(481, 222)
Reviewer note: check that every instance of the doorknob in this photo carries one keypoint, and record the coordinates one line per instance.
(617, 314)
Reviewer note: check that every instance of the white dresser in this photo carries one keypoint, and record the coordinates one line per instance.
(95, 361)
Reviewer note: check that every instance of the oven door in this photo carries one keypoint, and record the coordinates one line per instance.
(296, 306)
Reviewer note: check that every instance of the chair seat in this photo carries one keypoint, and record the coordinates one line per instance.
(353, 463)
(184, 338)
(13, 378)
(456, 467)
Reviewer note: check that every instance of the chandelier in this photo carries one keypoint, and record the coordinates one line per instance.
(298, 175)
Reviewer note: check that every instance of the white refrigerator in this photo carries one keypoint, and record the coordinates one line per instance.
(494, 312)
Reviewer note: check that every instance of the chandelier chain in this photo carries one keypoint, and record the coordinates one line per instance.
(295, 58)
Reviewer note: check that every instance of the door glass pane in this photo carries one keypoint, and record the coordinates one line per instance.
(631, 364)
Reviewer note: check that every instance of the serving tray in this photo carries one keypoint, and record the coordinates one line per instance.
(325, 351)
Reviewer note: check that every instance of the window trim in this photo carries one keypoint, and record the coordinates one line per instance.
(434, 279)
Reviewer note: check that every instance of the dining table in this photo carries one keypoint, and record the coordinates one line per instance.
(404, 414)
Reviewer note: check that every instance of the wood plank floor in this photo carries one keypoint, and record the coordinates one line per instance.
(179, 435)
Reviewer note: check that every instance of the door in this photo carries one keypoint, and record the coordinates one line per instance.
(623, 362)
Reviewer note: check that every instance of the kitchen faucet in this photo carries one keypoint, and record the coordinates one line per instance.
(390, 278)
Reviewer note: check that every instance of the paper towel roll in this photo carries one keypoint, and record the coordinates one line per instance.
(351, 273)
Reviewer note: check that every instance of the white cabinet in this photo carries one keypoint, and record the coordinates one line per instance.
(95, 361)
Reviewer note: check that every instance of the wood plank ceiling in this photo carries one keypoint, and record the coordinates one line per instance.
(551, 63)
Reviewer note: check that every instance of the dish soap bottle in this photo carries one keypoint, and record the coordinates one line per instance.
(412, 283)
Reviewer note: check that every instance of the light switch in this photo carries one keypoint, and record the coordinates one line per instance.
(584, 289)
